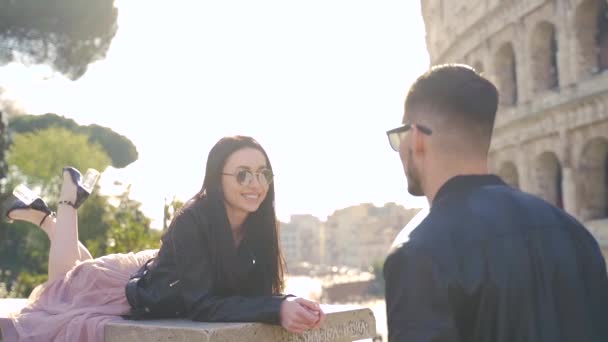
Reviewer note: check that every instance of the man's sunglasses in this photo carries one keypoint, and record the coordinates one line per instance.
(395, 135)
(245, 176)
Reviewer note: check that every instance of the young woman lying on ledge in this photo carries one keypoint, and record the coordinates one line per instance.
(219, 260)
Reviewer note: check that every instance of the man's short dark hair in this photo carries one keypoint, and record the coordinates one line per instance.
(457, 93)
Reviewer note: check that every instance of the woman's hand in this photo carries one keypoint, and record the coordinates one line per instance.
(314, 308)
(298, 314)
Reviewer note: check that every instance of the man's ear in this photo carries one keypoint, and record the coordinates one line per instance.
(419, 142)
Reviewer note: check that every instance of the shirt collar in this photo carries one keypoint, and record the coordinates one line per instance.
(462, 183)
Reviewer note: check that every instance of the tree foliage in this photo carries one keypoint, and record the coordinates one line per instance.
(130, 229)
(118, 147)
(67, 35)
(40, 156)
(3, 143)
(170, 210)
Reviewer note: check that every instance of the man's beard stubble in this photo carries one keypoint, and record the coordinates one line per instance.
(414, 186)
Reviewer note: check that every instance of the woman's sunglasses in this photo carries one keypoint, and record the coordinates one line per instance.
(245, 176)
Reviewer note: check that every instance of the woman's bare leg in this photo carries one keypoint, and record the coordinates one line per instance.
(48, 226)
(64, 251)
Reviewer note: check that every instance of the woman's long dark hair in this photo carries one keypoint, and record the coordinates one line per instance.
(260, 227)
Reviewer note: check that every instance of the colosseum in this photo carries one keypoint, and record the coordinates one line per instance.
(549, 60)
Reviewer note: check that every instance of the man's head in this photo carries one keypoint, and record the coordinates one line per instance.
(450, 111)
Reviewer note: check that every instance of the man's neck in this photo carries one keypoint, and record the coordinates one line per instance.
(442, 173)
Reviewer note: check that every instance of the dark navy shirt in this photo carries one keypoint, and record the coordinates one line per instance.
(491, 263)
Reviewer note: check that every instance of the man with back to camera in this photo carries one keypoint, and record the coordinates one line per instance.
(489, 262)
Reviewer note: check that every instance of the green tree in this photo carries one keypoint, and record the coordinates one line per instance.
(170, 209)
(30, 123)
(67, 35)
(130, 228)
(94, 221)
(40, 156)
(120, 149)
(3, 143)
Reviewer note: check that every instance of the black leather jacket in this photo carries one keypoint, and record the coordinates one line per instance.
(490, 263)
(180, 281)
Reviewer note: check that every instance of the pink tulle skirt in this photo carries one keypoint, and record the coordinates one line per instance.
(78, 306)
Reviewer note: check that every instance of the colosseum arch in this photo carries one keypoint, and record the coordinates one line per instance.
(543, 48)
(593, 173)
(506, 74)
(548, 173)
(591, 27)
(508, 173)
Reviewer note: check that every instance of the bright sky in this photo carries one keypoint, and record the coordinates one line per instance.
(316, 82)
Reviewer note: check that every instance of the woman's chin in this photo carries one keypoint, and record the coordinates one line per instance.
(253, 209)
(250, 207)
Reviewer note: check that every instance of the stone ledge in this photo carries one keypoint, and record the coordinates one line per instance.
(342, 323)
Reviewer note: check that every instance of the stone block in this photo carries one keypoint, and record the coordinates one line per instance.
(342, 323)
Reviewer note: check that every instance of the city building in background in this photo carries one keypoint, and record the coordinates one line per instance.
(301, 241)
(548, 59)
(356, 237)
(361, 236)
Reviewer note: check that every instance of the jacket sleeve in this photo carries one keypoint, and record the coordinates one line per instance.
(196, 276)
(416, 299)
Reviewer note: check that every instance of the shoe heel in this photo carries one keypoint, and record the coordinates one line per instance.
(90, 179)
(25, 198)
(25, 194)
(84, 185)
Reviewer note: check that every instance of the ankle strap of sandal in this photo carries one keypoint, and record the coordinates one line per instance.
(52, 214)
(70, 203)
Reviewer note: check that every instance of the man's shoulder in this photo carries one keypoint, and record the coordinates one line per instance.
(424, 237)
(414, 255)
(402, 252)
(497, 194)
(437, 223)
(524, 205)
(457, 222)
(404, 234)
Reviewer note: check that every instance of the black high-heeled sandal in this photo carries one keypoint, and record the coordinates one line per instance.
(84, 186)
(28, 202)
